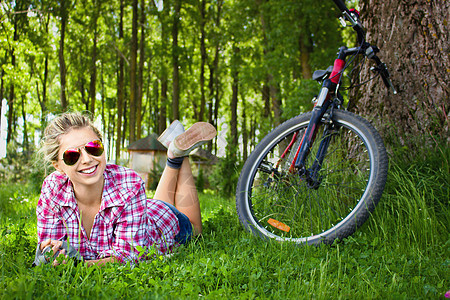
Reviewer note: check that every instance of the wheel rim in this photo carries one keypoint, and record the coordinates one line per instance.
(285, 208)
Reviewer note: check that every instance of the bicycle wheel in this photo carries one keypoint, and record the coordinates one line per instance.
(274, 202)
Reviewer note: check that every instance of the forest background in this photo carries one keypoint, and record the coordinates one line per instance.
(244, 66)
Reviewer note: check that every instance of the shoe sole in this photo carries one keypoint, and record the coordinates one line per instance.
(198, 133)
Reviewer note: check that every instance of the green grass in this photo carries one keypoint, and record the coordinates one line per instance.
(402, 252)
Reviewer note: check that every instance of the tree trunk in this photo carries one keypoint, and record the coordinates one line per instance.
(120, 88)
(141, 72)
(305, 47)
(270, 84)
(175, 62)
(163, 105)
(103, 93)
(83, 93)
(244, 130)
(64, 15)
(154, 108)
(132, 119)
(25, 143)
(213, 84)
(413, 37)
(92, 85)
(163, 73)
(11, 87)
(44, 79)
(234, 99)
(44, 94)
(203, 58)
(276, 102)
(1, 97)
(265, 94)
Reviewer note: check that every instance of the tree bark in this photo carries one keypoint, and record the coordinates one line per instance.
(414, 40)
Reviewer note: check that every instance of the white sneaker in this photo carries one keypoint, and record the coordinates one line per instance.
(174, 130)
(194, 137)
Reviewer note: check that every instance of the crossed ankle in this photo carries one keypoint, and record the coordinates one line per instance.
(175, 163)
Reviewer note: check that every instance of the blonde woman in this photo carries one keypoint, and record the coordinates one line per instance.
(99, 212)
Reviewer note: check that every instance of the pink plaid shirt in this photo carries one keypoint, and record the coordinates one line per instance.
(126, 218)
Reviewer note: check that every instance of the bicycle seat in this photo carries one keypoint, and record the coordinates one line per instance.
(320, 75)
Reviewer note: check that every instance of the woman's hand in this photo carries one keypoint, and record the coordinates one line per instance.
(55, 247)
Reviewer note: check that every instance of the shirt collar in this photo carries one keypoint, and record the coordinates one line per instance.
(68, 195)
(112, 194)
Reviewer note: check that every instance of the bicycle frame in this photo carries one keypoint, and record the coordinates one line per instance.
(329, 98)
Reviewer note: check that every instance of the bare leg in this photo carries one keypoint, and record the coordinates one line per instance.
(177, 187)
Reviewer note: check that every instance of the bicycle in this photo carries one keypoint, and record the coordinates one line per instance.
(318, 176)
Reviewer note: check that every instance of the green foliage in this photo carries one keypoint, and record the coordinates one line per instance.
(267, 34)
(200, 182)
(299, 100)
(154, 176)
(226, 174)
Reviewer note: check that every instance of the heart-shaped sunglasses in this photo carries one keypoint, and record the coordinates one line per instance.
(71, 156)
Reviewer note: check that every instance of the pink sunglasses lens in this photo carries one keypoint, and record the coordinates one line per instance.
(94, 148)
(71, 156)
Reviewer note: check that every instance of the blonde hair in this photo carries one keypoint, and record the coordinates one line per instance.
(60, 126)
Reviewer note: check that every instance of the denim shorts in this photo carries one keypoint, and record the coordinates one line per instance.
(185, 233)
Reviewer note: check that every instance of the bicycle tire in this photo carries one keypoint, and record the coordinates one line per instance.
(274, 203)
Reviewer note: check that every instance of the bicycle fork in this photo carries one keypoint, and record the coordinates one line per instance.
(311, 175)
(323, 102)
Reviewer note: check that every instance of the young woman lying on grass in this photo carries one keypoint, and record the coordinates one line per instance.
(100, 211)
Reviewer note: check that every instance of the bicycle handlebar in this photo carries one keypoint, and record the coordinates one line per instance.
(380, 66)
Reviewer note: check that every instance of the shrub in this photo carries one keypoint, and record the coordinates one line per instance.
(226, 174)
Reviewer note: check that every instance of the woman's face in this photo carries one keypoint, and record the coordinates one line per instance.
(88, 170)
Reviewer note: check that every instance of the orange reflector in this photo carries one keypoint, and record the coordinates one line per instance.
(279, 225)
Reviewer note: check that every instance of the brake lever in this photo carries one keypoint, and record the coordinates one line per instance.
(383, 71)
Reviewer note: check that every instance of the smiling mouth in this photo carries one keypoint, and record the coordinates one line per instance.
(89, 171)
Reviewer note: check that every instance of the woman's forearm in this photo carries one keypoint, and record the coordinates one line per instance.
(100, 262)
